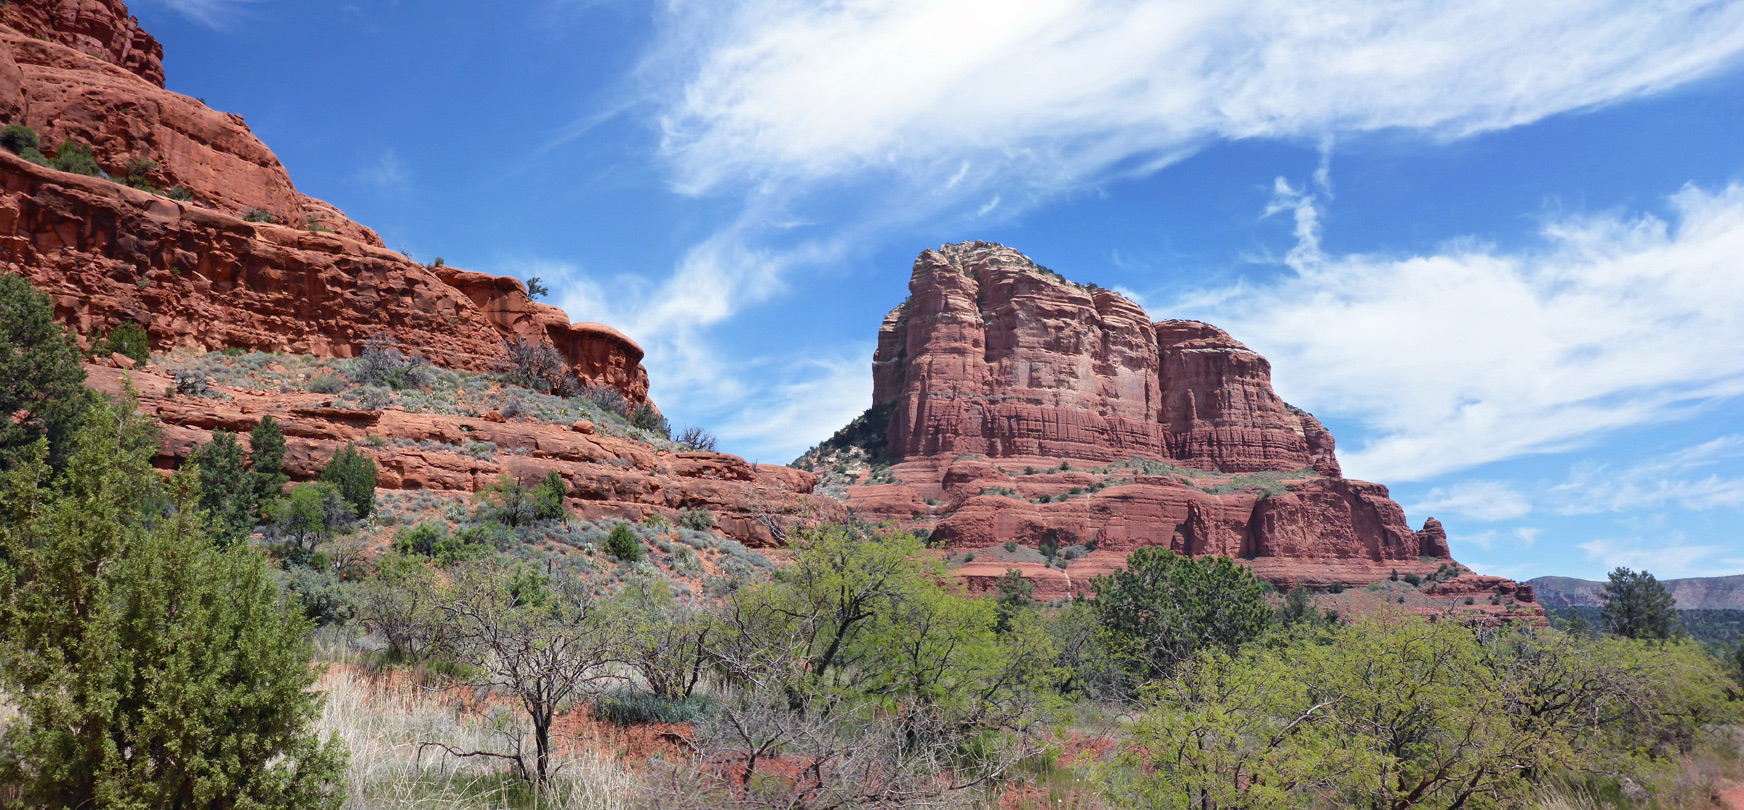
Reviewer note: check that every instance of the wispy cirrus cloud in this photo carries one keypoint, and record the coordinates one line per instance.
(1048, 95)
(1667, 557)
(870, 115)
(1687, 478)
(210, 13)
(1472, 354)
(1487, 501)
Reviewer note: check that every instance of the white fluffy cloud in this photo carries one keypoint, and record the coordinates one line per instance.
(1046, 94)
(1486, 501)
(1474, 355)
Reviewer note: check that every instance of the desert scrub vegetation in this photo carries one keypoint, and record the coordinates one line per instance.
(386, 375)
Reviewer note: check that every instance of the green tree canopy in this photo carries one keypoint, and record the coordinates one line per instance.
(355, 475)
(151, 669)
(42, 376)
(1162, 608)
(1638, 606)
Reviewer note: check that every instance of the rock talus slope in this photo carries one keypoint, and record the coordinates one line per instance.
(1012, 406)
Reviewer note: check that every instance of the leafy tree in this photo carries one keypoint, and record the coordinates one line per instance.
(1637, 606)
(42, 376)
(227, 492)
(621, 543)
(1014, 596)
(1162, 608)
(354, 474)
(266, 459)
(17, 137)
(666, 642)
(1298, 607)
(548, 497)
(402, 604)
(312, 514)
(149, 668)
(540, 641)
(127, 339)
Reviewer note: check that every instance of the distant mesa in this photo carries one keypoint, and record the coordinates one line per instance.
(1693, 593)
(1035, 423)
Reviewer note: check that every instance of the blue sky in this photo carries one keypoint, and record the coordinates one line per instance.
(1497, 247)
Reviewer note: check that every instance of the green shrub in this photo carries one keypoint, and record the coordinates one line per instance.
(128, 339)
(313, 513)
(1413, 580)
(354, 474)
(18, 137)
(621, 544)
(1162, 608)
(259, 215)
(701, 520)
(188, 675)
(179, 194)
(548, 497)
(139, 175)
(649, 418)
(326, 384)
(634, 708)
(76, 158)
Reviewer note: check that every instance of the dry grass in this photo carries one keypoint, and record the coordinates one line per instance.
(385, 723)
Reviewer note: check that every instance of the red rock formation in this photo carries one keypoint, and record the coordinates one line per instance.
(196, 278)
(82, 69)
(101, 29)
(608, 477)
(996, 356)
(1019, 407)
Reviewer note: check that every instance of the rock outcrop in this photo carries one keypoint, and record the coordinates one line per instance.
(1014, 408)
(83, 70)
(607, 477)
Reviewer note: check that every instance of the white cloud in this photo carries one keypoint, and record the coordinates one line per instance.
(1669, 557)
(1521, 538)
(811, 400)
(1594, 488)
(1487, 501)
(1047, 94)
(1474, 355)
(386, 173)
(210, 13)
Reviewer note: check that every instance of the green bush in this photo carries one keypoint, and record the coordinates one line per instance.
(548, 497)
(128, 339)
(1163, 608)
(326, 384)
(649, 418)
(76, 158)
(18, 137)
(699, 519)
(1413, 580)
(259, 215)
(622, 544)
(354, 474)
(139, 175)
(631, 708)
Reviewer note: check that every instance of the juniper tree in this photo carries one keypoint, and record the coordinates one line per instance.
(149, 668)
(42, 376)
(354, 474)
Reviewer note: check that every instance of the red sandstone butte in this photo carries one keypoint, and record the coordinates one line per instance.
(1014, 406)
(192, 272)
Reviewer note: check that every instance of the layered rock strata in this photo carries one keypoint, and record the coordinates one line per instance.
(607, 477)
(1012, 406)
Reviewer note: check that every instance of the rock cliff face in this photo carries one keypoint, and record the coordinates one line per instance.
(995, 356)
(1013, 406)
(83, 70)
(190, 271)
(196, 276)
